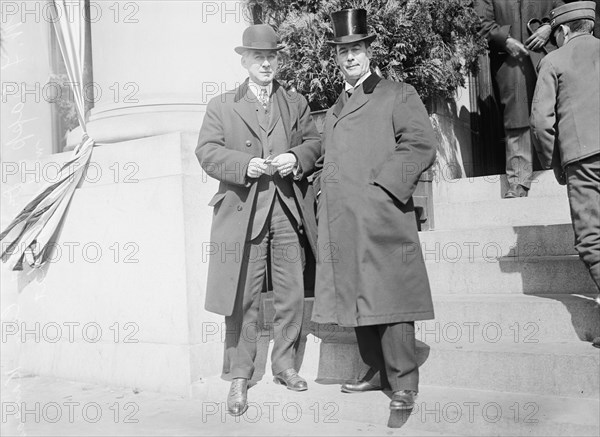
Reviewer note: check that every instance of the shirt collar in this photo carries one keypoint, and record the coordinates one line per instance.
(358, 82)
(255, 88)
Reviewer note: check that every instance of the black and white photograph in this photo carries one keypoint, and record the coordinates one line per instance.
(300, 218)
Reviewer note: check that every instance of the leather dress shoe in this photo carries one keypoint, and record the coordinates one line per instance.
(403, 400)
(596, 342)
(359, 387)
(237, 400)
(291, 379)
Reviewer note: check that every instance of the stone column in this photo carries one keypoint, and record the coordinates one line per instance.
(157, 64)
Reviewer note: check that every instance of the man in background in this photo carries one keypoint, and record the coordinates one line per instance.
(565, 126)
(514, 54)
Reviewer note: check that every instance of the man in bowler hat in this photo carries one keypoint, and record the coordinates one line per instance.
(514, 54)
(261, 143)
(370, 271)
(564, 123)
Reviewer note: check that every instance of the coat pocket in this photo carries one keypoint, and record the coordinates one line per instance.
(217, 198)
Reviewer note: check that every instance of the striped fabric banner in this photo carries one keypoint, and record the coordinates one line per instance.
(30, 237)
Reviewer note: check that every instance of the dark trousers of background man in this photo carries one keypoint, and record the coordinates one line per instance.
(583, 187)
(280, 237)
(390, 351)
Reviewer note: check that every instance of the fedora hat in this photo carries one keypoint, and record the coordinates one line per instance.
(350, 25)
(259, 37)
(571, 12)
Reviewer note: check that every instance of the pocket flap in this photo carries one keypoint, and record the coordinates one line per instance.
(216, 199)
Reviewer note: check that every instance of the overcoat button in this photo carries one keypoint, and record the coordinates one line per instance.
(240, 207)
(248, 143)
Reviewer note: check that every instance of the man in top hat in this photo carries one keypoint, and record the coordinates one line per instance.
(260, 142)
(564, 123)
(514, 53)
(370, 272)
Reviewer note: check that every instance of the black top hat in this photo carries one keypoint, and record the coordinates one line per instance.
(259, 37)
(350, 25)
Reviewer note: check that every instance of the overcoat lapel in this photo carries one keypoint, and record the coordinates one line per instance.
(287, 112)
(358, 100)
(246, 109)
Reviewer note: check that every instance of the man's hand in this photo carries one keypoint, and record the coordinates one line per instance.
(284, 163)
(539, 38)
(256, 167)
(515, 48)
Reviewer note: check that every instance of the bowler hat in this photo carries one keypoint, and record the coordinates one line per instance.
(350, 25)
(571, 12)
(259, 37)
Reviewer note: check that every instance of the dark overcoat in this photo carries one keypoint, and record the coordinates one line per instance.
(370, 268)
(514, 78)
(229, 139)
(567, 103)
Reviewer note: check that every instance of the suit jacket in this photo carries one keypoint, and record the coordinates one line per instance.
(515, 78)
(566, 106)
(370, 269)
(229, 138)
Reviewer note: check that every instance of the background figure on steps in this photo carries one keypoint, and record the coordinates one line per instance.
(514, 54)
(565, 126)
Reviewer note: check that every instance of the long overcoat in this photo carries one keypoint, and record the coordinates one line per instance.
(370, 268)
(229, 139)
(514, 78)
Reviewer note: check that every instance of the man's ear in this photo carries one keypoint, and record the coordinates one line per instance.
(369, 52)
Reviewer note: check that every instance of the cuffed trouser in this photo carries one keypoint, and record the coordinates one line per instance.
(280, 237)
(583, 187)
(519, 157)
(390, 351)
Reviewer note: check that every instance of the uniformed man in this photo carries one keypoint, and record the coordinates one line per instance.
(564, 123)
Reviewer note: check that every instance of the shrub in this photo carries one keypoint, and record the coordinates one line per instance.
(430, 44)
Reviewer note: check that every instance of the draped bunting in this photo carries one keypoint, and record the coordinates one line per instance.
(32, 234)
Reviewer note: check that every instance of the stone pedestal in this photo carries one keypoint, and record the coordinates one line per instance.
(121, 303)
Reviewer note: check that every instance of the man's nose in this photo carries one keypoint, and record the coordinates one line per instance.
(266, 63)
(350, 57)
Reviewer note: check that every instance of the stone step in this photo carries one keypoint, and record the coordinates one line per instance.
(493, 187)
(524, 211)
(479, 342)
(447, 411)
(491, 243)
(555, 369)
(510, 275)
(488, 318)
(517, 318)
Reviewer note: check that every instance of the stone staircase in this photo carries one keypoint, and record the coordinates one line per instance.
(509, 352)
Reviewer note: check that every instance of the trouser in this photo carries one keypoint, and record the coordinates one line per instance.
(390, 351)
(280, 238)
(583, 187)
(519, 157)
